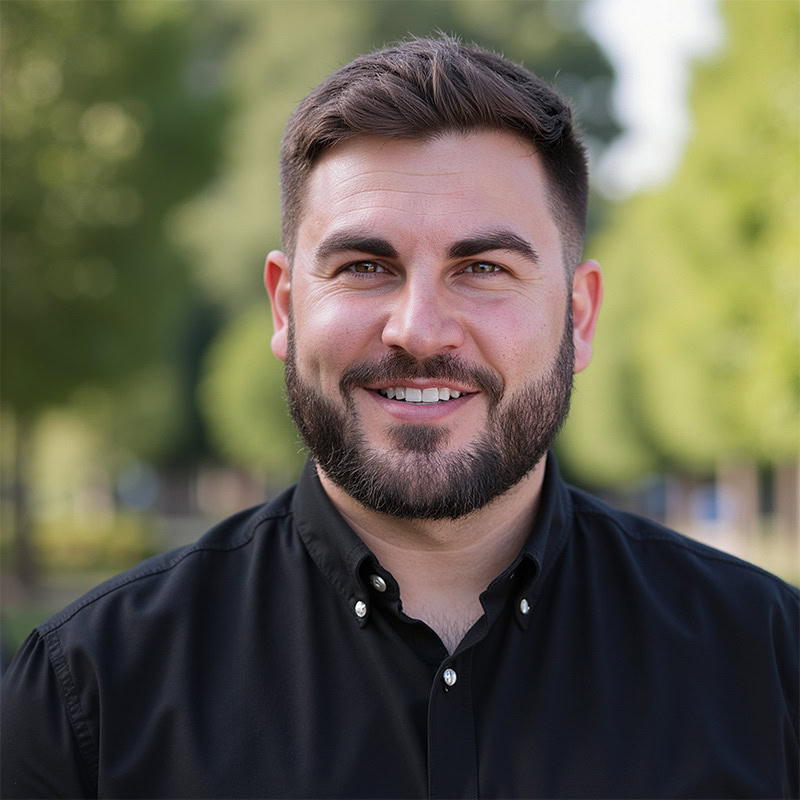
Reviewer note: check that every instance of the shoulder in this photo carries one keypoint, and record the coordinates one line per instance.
(222, 551)
(706, 623)
(665, 558)
(135, 635)
(691, 603)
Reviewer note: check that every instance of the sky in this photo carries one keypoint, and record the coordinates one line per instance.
(651, 45)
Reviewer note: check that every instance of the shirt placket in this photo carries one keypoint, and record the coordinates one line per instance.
(452, 746)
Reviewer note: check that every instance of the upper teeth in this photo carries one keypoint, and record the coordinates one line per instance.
(412, 395)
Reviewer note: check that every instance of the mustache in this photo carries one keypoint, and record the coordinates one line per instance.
(395, 367)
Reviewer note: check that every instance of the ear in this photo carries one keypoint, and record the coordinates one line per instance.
(277, 279)
(587, 296)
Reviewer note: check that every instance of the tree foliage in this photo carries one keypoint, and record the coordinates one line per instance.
(105, 128)
(697, 351)
(242, 398)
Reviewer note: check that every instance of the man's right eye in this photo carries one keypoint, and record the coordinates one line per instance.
(365, 267)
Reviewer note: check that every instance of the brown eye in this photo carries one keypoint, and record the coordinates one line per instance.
(366, 267)
(482, 268)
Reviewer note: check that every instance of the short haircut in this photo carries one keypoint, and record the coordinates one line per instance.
(424, 88)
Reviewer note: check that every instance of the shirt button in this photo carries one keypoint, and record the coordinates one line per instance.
(524, 606)
(377, 583)
(449, 676)
(361, 609)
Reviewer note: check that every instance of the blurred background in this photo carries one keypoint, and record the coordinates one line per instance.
(139, 398)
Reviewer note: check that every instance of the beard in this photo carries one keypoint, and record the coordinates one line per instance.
(419, 479)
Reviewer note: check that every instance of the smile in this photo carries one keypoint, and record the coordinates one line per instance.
(410, 394)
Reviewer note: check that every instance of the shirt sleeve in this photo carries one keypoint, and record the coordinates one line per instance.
(38, 749)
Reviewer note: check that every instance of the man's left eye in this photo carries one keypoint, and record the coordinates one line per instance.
(482, 268)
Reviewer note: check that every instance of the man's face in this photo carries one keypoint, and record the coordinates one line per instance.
(434, 268)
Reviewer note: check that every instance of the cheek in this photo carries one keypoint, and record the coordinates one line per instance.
(526, 339)
(331, 336)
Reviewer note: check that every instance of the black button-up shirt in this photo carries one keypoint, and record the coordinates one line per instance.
(273, 659)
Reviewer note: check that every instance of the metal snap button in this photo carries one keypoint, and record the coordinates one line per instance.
(377, 583)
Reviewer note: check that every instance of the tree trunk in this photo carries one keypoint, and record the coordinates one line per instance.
(787, 500)
(738, 482)
(26, 567)
(678, 502)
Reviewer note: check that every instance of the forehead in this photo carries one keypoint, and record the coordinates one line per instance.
(426, 193)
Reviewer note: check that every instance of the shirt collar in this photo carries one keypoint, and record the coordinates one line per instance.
(347, 562)
(545, 542)
(336, 548)
(553, 519)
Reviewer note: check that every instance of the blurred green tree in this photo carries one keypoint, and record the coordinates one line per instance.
(241, 384)
(697, 353)
(109, 120)
(287, 50)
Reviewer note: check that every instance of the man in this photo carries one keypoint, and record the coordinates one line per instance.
(430, 612)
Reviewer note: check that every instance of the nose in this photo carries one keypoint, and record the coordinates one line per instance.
(423, 322)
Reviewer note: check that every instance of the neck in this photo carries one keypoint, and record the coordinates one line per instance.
(442, 566)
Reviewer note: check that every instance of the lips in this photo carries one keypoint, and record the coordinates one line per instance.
(441, 373)
(407, 409)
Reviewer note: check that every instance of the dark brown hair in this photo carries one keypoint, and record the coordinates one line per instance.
(424, 88)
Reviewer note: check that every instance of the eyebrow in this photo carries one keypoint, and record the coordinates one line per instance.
(344, 241)
(495, 239)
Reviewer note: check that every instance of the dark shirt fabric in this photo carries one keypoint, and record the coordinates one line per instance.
(647, 665)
